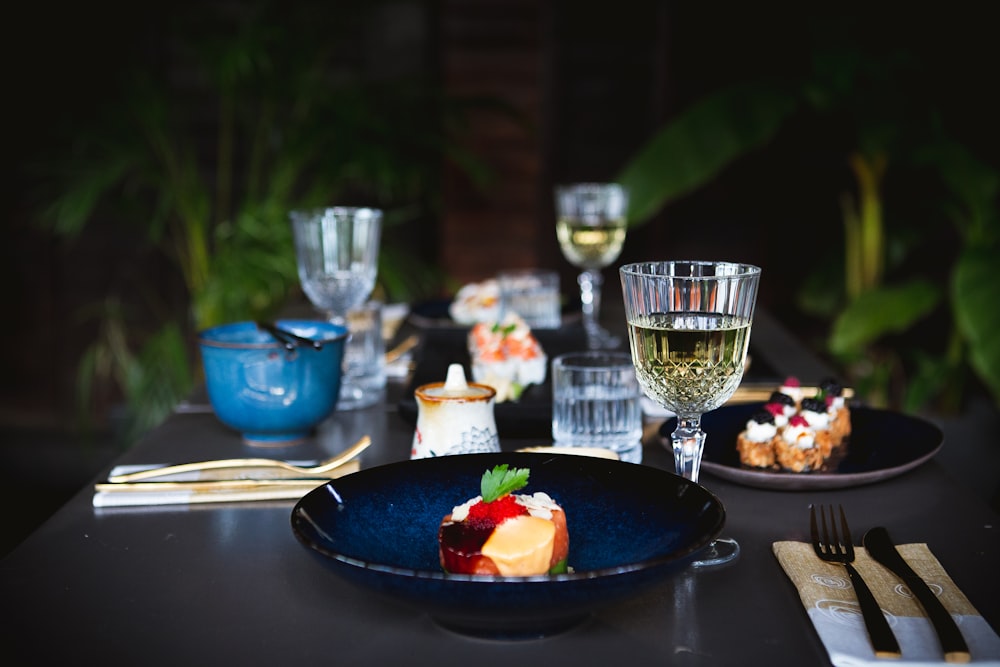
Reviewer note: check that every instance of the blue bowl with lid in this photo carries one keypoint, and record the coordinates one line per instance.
(273, 395)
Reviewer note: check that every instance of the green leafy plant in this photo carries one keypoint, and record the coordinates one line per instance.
(272, 119)
(887, 295)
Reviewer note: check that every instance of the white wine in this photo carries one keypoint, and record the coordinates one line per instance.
(588, 245)
(691, 363)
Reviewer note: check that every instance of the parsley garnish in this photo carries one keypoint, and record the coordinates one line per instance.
(505, 329)
(500, 481)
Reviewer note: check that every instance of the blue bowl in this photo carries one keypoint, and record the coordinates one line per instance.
(630, 526)
(271, 395)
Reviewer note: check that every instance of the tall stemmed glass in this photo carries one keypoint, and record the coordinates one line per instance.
(590, 226)
(689, 330)
(337, 253)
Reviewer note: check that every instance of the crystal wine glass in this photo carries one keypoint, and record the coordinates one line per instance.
(689, 331)
(590, 226)
(337, 252)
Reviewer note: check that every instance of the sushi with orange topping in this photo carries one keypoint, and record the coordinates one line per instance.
(503, 533)
(506, 356)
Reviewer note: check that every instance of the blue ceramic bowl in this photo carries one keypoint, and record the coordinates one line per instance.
(271, 395)
(629, 526)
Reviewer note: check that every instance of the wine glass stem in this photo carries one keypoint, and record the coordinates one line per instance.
(689, 442)
(590, 302)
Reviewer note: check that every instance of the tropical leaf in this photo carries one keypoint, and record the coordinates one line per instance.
(882, 311)
(975, 293)
(693, 148)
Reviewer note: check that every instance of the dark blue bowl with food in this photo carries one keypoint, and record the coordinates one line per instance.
(629, 526)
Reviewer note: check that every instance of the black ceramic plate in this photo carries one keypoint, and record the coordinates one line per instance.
(629, 526)
(530, 416)
(882, 445)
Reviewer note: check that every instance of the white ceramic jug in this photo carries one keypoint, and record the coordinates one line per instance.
(454, 417)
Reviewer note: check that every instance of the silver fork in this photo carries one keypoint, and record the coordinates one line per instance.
(833, 548)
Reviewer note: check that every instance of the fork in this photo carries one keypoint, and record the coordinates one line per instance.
(834, 549)
(279, 468)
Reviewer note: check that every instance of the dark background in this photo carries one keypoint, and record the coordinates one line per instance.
(595, 79)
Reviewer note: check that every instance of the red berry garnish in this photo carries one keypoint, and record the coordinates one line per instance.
(492, 514)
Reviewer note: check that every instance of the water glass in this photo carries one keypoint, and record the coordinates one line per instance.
(531, 293)
(337, 251)
(364, 358)
(596, 403)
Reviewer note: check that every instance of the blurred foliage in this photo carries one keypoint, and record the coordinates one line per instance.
(246, 112)
(911, 310)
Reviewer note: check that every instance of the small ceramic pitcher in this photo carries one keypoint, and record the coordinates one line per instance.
(454, 417)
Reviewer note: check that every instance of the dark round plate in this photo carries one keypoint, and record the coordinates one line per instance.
(882, 445)
(629, 526)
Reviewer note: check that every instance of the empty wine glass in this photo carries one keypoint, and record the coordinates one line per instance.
(689, 331)
(590, 226)
(337, 252)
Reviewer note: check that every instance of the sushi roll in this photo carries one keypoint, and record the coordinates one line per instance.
(792, 388)
(813, 410)
(503, 533)
(836, 405)
(476, 302)
(782, 406)
(506, 356)
(756, 442)
(797, 450)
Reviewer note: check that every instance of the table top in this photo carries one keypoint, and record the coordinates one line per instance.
(230, 584)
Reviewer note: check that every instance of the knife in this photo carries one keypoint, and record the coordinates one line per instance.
(881, 548)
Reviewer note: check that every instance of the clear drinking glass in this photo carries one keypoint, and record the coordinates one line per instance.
(590, 226)
(337, 252)
(689, 331)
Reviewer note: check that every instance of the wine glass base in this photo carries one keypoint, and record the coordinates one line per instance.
(720, 552)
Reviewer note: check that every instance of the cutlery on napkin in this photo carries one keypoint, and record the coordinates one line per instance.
(122, 494)
(826, 593)
(225, 480)
(881, 548)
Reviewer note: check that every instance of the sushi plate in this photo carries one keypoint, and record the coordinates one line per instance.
(528, 417)
(883, 444)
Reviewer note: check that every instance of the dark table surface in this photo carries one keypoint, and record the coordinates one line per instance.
(229, 584)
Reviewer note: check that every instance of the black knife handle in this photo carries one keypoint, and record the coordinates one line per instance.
(883, 640)
(952, 643)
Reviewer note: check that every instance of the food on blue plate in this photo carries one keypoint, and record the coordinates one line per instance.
(506, 356)
(500, 532)
(796, 432)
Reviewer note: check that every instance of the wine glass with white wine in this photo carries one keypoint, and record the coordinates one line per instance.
(590, 226)
(689, 331)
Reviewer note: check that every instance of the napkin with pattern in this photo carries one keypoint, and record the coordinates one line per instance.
(826, 592)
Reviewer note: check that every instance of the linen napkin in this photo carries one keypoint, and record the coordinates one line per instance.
(197, 488)
(826, 592)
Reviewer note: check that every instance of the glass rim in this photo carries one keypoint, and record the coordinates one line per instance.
(590, 185)
(642, 269)
(612, 357)
(322, 211)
